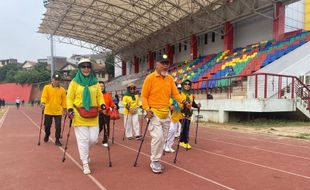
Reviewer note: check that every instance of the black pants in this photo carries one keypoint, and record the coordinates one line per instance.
(185, 130)
(48, 119)
(104, 123)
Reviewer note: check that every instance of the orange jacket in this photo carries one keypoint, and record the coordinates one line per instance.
(108, 102)
(156, 93)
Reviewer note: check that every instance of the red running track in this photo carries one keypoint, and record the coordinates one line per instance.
(222, 159)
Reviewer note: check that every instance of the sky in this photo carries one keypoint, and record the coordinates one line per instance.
(19, 39)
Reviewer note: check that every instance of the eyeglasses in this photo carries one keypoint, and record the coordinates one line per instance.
(86, 66)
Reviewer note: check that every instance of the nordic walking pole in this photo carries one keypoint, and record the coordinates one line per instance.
(197, 126)
(63, 126)
(113, 131)
(109, 154)
(142, 120)
(178, 147)
(147, 125)
(66, 147)
(42, 115)
(125, 126)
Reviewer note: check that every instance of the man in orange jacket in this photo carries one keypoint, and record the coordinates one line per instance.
(157, 89)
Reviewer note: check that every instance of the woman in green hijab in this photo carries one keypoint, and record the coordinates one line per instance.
(187, 112)
(84, 93)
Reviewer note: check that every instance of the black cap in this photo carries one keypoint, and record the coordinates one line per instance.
(164, 59)
(56, 76)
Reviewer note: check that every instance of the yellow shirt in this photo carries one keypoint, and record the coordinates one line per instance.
(54, 99)
(156, 92)
(133, 103)
(74, 97)
(176, 115)
(191, 99)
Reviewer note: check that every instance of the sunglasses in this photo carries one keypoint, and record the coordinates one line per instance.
(187, 83)
(132, 88)
(86, 66)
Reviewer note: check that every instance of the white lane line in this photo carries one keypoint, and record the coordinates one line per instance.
(252, 163)
(182, 169)
(256, 148)
(255, 139)
(244, 161)
(249, 147)
(71, 158)
(4, 116)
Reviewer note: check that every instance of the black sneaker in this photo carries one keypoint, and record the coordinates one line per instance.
(58, 143)
(46, 138)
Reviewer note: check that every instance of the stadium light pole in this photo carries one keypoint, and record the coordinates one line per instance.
(45, 3)
(52, 56)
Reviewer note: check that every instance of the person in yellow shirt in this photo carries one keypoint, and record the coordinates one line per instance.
(176, 115)
(84, 93)
(131, 104)
(157, 89)
(53, 102)
(187, 113)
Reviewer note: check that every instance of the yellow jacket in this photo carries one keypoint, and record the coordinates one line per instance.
(74, 97)
(54, 99)
(176, 115)
(134, 104)
(190, 99)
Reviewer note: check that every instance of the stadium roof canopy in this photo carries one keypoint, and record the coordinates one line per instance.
(121, 25)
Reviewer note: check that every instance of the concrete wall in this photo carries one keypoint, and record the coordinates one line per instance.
(218, 110)
(211, 47)
(184, 54)
(252, 30)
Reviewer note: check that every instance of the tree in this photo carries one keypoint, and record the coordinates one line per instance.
(15, 73)
(109, 63)
(8, 72)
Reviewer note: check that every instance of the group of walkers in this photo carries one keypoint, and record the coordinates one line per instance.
(164, 104)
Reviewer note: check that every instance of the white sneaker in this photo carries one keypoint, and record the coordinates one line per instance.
(156, 167)
(172, 150)
(86, 169)
(105, 144)
(167, 149)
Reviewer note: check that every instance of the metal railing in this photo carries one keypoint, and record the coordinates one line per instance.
(254, 86)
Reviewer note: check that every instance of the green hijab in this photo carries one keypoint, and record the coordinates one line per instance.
(184, 91)
(86, 82)
(132, 95)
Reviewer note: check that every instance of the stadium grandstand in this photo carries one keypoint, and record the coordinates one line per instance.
(265, 42)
